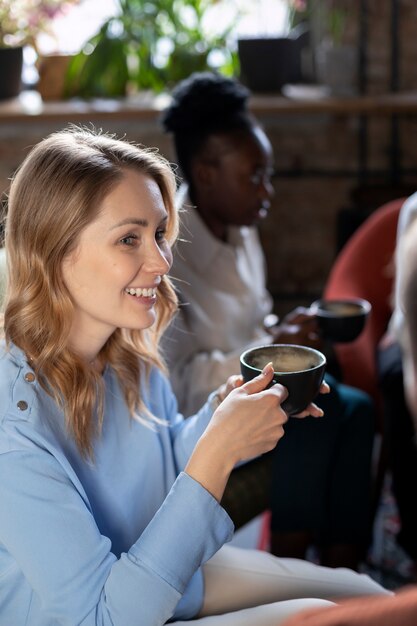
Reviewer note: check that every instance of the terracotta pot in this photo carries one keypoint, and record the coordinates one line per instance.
(52, 70)
(11, 63)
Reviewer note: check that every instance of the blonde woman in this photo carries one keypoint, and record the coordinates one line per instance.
(2, 275)
(110, 507)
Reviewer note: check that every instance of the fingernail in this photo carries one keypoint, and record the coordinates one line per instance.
(268, 368)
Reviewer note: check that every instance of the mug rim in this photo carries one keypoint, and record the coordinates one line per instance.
(321, 356)
(315, 307)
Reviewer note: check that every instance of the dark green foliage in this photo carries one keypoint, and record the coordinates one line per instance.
(151, 44)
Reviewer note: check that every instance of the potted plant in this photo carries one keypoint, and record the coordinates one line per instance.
(269, 62)
(150, 44)
(334, 50)
(21, 21)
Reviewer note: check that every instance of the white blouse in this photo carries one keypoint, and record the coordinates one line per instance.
(221, 287)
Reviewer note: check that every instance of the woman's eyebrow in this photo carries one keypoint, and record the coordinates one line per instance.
(138, 221)
(131, 220)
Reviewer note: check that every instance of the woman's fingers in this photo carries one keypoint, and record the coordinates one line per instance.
(312, 410)
(324, 387)
(232, 383)
(298, 315)
(260, 382)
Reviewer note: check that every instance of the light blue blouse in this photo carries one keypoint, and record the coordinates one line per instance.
(116, 542)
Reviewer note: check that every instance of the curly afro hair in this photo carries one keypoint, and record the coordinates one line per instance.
(204, 104)
(205, 101)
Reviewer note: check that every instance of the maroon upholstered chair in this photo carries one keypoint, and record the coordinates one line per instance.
(364, 269)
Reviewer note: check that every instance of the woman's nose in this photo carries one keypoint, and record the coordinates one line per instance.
(159, 260)
(266, 189)
(269, 187)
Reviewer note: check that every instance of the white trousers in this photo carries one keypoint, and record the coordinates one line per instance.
(250, 587)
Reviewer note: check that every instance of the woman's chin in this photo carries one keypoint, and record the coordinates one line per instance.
(146, 321)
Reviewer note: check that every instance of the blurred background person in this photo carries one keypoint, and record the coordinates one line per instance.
(401, 609)
(318, 486)
(398, 421)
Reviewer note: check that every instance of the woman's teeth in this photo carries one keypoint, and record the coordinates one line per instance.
(142, 293)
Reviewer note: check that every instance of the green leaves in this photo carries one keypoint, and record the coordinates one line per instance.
(151, 44)
(103, 73)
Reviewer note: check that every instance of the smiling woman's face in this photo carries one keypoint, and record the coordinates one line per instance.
(121, 256)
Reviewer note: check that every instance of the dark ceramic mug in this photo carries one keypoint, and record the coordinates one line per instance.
(341, 320)
(298, 368)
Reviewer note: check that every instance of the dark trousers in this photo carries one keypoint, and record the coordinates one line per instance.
(318, 477)
(401, 444)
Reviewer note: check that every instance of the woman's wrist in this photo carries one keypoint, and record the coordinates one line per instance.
(210, 466)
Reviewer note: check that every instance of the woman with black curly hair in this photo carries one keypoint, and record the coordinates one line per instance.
(227, 164)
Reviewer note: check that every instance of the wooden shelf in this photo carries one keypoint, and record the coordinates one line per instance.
(29, 106)
(386, 104)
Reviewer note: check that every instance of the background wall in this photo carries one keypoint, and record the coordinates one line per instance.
(327, 162)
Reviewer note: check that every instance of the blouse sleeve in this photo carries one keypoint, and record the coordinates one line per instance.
(47, 526)
(184, 433)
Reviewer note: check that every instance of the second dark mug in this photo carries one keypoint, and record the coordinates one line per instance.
(341, 320)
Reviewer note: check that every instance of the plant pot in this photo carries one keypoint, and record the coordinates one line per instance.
(11, 63)
(330, 59)
(52, 73)
(266, 64)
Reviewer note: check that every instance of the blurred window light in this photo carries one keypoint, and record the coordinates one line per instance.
(72, 30)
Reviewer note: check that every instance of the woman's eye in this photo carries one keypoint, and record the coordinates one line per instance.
(262, 176)
(256, 179)
(160, 234)
(129, 240)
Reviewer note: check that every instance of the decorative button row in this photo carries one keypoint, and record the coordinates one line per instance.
(29, 378)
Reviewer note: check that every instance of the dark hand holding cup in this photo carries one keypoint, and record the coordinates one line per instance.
(298, 327)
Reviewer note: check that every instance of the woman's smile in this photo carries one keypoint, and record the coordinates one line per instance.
(145, 292)
(145, 295)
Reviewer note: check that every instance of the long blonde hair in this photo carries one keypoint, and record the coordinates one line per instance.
(54, 195)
